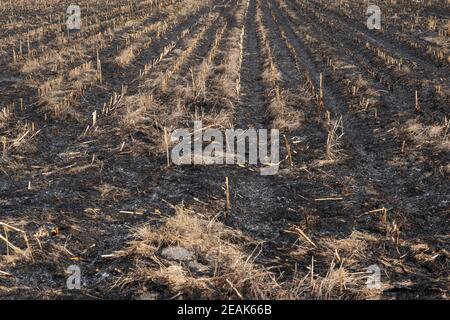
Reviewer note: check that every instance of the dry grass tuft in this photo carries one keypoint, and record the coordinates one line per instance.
(16, 244)
(436, 136)
(284, 111)
(345, 278)
(219, 266)
(334, 140)
(230, 272)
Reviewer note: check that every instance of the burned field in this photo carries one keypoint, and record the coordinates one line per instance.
(364, 136)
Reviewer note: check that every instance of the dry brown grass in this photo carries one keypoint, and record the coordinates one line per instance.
(59, 96)
(283, 105)
(334, 141)
(70, 197)
(223, 268)
(285, 112)
(436, 136)
(230, 272)
(15, 248)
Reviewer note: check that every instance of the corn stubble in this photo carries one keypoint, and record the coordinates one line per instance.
(85, 127)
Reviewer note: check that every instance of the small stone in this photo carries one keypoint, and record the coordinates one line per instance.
(198, 267)
(177, 254)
